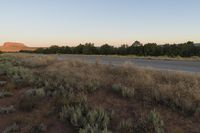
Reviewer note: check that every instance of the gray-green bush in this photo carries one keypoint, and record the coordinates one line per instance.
(86, 119)
(76, 110)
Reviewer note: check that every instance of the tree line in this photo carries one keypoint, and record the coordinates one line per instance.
(187, 49)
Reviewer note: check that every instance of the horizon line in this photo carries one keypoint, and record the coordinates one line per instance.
(95, 44)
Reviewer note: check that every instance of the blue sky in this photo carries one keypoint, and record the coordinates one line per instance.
(60, 22)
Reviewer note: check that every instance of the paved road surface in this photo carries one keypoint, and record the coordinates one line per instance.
(185, 66)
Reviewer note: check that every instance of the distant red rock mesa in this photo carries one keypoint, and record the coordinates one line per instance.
(14, 47)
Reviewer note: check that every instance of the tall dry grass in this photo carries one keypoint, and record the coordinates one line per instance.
(179, 91)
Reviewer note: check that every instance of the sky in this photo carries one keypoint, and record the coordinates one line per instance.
(71, 22)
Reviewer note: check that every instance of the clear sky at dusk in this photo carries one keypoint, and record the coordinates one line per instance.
(60, 22)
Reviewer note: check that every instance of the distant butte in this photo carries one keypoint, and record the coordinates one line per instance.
(14, 47)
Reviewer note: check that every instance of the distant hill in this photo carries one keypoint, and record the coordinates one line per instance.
(15, 47)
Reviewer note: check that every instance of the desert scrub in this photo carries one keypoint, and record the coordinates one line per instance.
(40, 128)
(40, 92)
(82, 116)
(123, 91)
(91, 86)
(126, 126)
(17, 74)
(4, 58)
(7, 110)
(89, 129)
(98, 118)
(20, 75)
(5, 94)
(2, 83)
(65, 99)
(85, 118)
(12, 129)
(151, 124)
(4, 67)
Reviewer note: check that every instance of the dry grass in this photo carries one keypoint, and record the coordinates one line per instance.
(174, 90)
(177, 90)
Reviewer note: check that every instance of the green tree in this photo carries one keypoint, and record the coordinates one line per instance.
(136, 48)
(106, 49)
(123, 49)
(150, 49)
(78, 49)
(89, 48)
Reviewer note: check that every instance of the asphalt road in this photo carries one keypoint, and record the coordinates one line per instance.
(171, 65)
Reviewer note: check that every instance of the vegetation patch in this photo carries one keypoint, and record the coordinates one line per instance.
(12, 129)
(5, 94)
(85, 118)
(40, 128)
(152, 123)
(123, 91)
(7, 110)
(96, 98)
(126, 126)
(2, 83)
